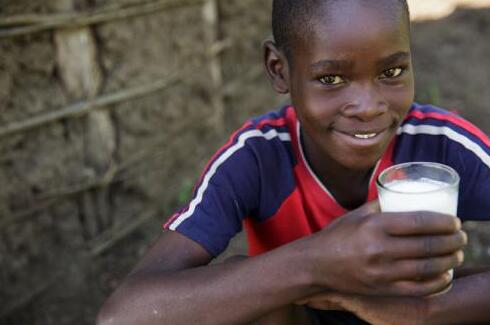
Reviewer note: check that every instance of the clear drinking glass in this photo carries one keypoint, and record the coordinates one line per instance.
(419, 186)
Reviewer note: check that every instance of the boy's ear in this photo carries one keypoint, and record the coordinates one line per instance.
(276, 67)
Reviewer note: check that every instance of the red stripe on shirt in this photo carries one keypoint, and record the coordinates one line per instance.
(454, 120)
(272, 122)
(170, 220)
(227, 145)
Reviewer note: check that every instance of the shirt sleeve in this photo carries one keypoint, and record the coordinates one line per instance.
(433, 134)
(227, 192)
(474, 169)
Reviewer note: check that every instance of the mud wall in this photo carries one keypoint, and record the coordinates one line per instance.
(72, 184)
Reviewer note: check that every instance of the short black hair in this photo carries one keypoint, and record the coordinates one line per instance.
(291, 18)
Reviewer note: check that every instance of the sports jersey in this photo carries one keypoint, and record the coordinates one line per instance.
(260, 180)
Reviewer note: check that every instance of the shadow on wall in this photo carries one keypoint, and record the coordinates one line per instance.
(451, 63)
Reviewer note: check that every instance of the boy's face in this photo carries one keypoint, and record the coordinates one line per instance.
(351, 82)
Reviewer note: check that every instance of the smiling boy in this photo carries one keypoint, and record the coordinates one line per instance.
(301, 183)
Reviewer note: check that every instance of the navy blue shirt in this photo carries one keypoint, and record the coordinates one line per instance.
(261, 180)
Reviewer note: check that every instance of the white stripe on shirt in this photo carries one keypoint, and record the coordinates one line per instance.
(284, 136)
(451, 134)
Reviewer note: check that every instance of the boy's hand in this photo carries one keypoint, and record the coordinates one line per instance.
(372, 253)
(374, 310)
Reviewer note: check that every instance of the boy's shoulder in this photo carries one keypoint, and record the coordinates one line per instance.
(430, 133)
(281, 117)
(276, 124)
(264, 137)
(433, 120)
(428, 113)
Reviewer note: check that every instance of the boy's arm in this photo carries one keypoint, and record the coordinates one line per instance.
(466, 303)
(172, 284)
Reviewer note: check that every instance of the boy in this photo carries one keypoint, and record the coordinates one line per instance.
(301, 181)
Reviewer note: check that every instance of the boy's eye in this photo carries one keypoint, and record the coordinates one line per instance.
(391, 73)
(331, 80)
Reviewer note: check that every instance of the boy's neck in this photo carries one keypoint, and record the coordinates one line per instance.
(349, 187)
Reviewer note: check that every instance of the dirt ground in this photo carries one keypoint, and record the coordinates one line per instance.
(42, 259)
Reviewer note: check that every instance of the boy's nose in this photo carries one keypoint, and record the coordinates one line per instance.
(366, 106)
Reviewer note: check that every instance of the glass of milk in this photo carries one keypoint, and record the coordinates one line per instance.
(419, 186)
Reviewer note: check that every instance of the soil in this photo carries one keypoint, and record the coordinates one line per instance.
(47, 274)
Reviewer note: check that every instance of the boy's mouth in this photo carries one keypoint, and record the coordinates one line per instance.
(364, 138)
(365, 135)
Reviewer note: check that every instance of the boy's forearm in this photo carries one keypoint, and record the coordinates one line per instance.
(466, 303)
(467, 271)
(229, 293)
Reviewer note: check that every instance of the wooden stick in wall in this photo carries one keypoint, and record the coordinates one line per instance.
(85, 106)
(81, 75)
(211, 28)
(29, 24)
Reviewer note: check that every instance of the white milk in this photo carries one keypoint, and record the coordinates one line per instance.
(419, 195)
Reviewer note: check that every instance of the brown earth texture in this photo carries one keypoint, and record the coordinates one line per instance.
(71, 228)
